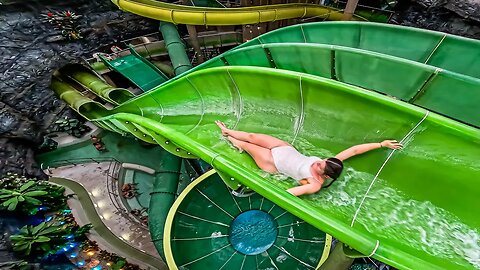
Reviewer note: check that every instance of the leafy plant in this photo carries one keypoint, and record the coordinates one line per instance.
(12, 180)
(48, 144)
(89, 245)
(119, 264)
(36, 237)
(65, 21)
(26, 194)
(71, 126)
(82, 230)
(48, 237)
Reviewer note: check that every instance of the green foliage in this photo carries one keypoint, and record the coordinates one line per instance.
(89, 245)
(48, 144)
(83, 230)
(37, 238)
(66, 22)
(47, 237)
(119, 264)
(26, 194)
(71, 126)
(18, 193)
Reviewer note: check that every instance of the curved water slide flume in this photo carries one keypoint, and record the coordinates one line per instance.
(447, 66)
(410, 81)
(445, 51)
(390, 205)
(181, 14)
(438, 148)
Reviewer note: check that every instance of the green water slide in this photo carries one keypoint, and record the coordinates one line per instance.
(449, 52)
(132, 65)
(430, 69)
(379, 206)
(181, 14)
(449, 93)
(89, 81)
(453, 53)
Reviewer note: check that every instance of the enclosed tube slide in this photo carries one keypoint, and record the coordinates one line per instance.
(180, 14)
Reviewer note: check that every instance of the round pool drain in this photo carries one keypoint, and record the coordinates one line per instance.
(253, 232)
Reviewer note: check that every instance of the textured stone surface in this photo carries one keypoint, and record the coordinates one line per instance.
(458, 17)
(466, 8)
(27, 105)
(469, 9)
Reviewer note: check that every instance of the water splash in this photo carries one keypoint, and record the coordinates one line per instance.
(390, 214)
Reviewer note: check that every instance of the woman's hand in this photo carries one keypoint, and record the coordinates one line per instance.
(392, 144)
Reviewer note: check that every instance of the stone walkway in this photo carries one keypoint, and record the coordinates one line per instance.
(93, 177)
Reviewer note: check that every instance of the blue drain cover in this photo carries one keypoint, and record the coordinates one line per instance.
(253, 232)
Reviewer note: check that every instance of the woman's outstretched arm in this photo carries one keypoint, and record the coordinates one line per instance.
(312, 186)
(362, 148)
(305, 189)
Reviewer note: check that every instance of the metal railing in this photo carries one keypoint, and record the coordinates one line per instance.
(113, 189)
(114, 168)
(157, 48)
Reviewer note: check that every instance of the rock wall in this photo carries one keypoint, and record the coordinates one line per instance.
(458, 17)
(27, 105)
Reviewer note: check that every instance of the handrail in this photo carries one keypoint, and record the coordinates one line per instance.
(111, 183)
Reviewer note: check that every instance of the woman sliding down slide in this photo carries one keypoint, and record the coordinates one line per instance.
(276, 156)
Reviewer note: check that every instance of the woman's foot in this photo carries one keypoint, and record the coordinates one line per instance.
(235, 143)
(222, 126)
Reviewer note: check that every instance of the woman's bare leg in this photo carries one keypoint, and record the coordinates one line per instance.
(262, 156)
(262, 140)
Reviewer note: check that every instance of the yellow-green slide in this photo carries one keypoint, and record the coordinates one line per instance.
(180, 14)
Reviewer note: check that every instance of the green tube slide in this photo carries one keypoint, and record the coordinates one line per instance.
(210, 228)
(379, 206)
(95, 84)
(81, 104)
(162, 198)
(166, 183)
(181, 14)
(175, 47)
(157, 48)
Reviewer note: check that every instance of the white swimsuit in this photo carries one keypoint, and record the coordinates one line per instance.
(292, 163)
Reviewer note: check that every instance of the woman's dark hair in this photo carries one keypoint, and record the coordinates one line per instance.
(333, 167)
